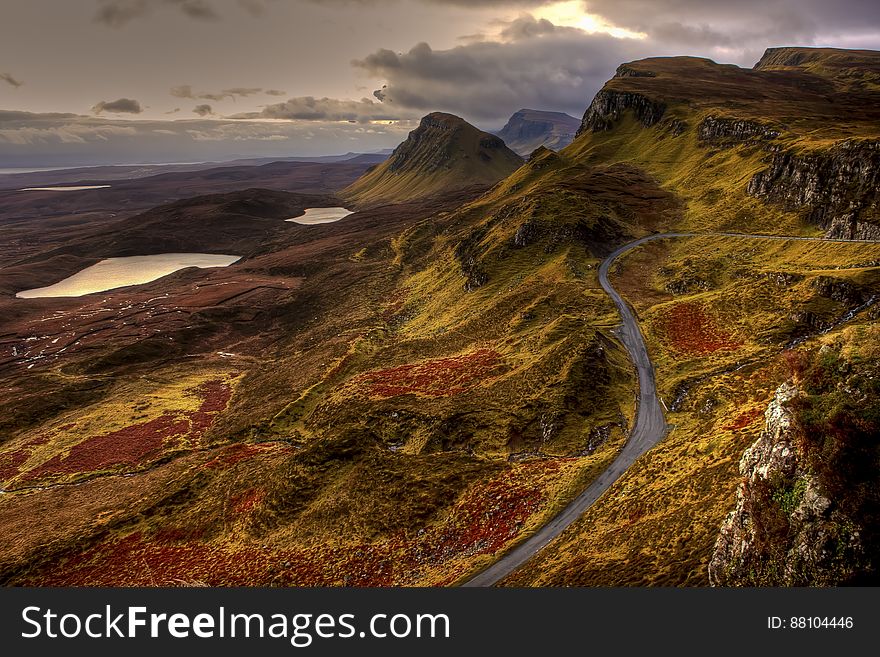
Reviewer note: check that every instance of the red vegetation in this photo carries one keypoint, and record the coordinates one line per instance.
(247, 501)
(215, 397)
(435, 378)
(140, 443)
(11, 461)
(396, 302)
(484, 521)
(237, 453)
(692, 330)
(745, 419)
(796, 362)
(128, 446)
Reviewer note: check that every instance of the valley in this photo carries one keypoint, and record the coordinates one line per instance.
(459, 366)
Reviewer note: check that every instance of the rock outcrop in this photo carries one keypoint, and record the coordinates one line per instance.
(838, 189)
(726, 131)
(608, 105)
(786, 529)
(529, 129)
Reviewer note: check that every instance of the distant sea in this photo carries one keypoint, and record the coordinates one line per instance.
(91, 166)
(34, 170)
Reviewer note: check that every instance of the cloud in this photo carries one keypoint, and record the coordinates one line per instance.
(243, 91)
(527, 26)
(742, 27)
(186, 91)
(537, 65)
(174, 111)
(117, 13)
(8, 79)
(203, 110)
(120, 106)
(309, 108)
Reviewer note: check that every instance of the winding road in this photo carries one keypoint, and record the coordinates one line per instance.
(649, 427)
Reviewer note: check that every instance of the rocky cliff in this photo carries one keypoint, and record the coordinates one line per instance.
(804, 515)
(728, 131)
(529, 129)
(608, 105)
(837, 189)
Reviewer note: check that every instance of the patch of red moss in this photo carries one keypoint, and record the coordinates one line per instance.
(691, 330)
(129, 446)
(236, 453)
(484, 521)
(745, 419)
(247, 501)
(140, 443)
(11, 461)
(435, 378)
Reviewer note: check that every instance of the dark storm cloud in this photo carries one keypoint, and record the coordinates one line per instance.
(203, 110)
(308, 108)
(117, 13)
(742, 24)
(120, 106)
(9, 79)
(545, 67)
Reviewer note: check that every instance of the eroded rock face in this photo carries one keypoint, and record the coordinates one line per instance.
(608, 105)
(724, 131)
(838, 188)
(785, 530)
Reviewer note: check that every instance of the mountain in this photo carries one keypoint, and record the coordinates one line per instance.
(444, 153)
(527, 129)
(404, 396)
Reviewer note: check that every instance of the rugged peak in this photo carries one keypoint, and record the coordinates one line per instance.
(527, 129)
(443, 153)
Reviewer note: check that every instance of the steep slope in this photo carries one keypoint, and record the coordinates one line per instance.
(528, 129)
(730, 140)
(399, 398)
(444, 153)
(784, 151)
(807, 510)
(858, 69)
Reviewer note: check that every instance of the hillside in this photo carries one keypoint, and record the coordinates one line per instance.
(527, 129)
(781, 149)
(401, 397)
(443, 154)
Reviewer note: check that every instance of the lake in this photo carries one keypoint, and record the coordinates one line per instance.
(119, 272)
(314, 216)
(68, 188)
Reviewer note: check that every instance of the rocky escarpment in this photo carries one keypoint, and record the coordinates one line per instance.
(608, 105)
(805, 508)
(837, 189)
(529, 129)
(726, 131)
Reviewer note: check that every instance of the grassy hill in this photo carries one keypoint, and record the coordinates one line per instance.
(444, 153)
(399, 397)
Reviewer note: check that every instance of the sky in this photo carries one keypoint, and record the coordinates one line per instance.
(130, 81)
